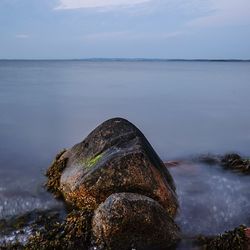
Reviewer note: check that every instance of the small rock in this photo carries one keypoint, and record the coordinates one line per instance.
(126, 220)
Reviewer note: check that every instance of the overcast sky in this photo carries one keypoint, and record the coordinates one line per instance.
(57, 29)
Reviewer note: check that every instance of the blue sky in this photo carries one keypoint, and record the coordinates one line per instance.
(57, 29)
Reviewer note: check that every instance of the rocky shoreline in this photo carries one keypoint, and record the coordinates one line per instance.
(118, 194)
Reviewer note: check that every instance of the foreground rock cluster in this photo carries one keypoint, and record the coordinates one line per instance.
(118, 195)
(117, 178)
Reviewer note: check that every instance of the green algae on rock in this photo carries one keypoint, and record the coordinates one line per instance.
(92, 162)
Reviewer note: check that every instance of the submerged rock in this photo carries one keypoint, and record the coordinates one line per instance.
(133, 221)
(236, 162)
(231, 161)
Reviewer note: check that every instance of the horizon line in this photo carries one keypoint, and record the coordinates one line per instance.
(127, 59)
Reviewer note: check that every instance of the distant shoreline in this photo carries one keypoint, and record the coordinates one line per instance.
(133, 60)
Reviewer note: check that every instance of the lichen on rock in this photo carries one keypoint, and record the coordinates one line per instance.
(92, 162)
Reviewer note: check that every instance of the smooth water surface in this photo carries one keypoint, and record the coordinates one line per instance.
(183, 108)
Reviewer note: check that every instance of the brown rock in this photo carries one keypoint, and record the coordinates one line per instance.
(247, 233)
(128, 221)
(116, 157)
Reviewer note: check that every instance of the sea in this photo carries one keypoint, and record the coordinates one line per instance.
(184, 108)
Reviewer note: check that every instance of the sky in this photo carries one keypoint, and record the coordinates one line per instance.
(170, 29)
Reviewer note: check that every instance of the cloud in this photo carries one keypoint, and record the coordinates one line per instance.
(107, 35)
(77, 4)
(223, 13)
(199, 13)
(174, 34)
(22, 36)
(132, 36)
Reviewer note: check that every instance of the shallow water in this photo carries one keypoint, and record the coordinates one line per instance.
(183, 108)
(212, 200)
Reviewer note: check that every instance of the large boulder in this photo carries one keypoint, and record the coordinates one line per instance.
(116, 157)
(128, 221)
(116, 176)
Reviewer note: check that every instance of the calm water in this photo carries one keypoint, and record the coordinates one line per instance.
(184, 109)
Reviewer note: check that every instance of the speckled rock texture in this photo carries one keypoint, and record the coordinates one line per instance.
(116, 175)
(115, 157)
(132, 221)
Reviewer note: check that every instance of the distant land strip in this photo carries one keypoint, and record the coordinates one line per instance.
(133, 60)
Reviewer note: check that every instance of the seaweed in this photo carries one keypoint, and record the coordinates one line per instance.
(73, 233)
(50, 232)
(54, 173)
(230, 240)
(16, 226)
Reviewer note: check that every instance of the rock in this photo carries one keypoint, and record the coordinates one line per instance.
(209, 159)
(232, 161)
(236, 162)
(116, 175)
(116, 157)
(132, 221)
(230, 240)
(170, 164)
(247, 233)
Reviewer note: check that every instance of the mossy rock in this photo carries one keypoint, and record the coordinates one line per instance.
(115, 157)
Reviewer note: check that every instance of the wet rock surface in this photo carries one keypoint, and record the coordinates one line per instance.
(115, 157)
(236, 162)
(115, 165)
(232, 161)
(133, 221)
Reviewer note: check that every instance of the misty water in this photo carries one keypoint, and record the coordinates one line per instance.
(183, 108)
